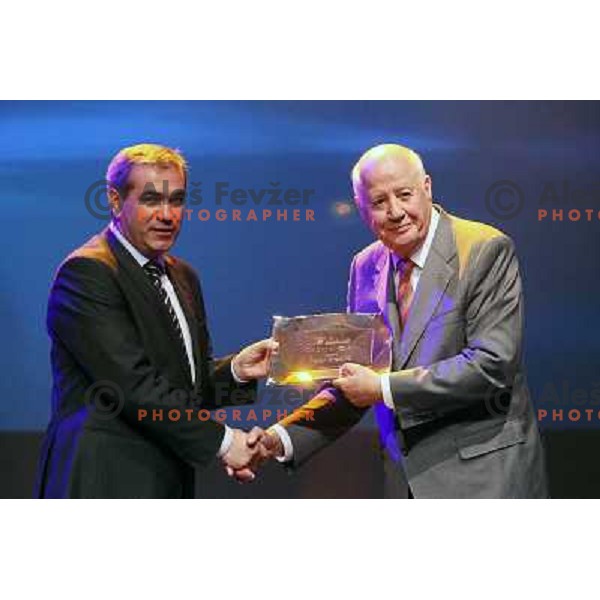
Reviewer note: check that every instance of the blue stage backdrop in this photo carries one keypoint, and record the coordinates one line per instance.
(498, 162)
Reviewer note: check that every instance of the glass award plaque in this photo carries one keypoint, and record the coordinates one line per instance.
(312, 348)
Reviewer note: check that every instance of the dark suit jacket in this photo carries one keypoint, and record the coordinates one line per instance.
(463, 414)
(114, 352)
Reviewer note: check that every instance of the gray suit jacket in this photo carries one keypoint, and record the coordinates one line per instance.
(464, 423)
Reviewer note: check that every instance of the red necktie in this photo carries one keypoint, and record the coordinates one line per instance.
(405, 288)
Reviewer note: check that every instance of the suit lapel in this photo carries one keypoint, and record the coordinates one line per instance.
(131, 268)
(186, 300)
(431, 287)
(380, 282)
(383, 282)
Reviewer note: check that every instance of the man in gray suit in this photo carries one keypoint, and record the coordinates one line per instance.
(454, 414)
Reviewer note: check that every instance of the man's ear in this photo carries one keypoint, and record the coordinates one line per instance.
(114, 200)
(427, 185)
(360, 207)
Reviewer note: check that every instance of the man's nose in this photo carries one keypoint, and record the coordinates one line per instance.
(165, 212)
(395, 209)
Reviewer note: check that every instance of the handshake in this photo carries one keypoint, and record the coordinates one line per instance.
(360, 385)
(248, 451)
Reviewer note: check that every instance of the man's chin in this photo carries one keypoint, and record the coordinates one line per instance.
(160, 243)
(161, 247)
(400, 244)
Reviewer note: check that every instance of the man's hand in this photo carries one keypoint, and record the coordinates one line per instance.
(254, 361)
(242, 458)
(269, 440)
(266, 445)
(360, 385)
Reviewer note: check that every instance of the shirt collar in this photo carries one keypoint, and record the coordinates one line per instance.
(419, 256)
(139, 257)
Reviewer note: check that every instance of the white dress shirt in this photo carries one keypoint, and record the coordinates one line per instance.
(183, 324)
(418, 257)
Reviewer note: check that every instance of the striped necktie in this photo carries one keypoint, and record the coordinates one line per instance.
(155, 270)
(405, 289)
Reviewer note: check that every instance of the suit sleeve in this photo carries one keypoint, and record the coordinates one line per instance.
(490, 359)
(87, 313)
(326, 416)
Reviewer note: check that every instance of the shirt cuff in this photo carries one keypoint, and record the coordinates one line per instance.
(386, 392)
(226, 443)
(235, 376)
(286, 442)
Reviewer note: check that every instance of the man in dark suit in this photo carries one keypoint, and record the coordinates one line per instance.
(133, 376)
(454, 414)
